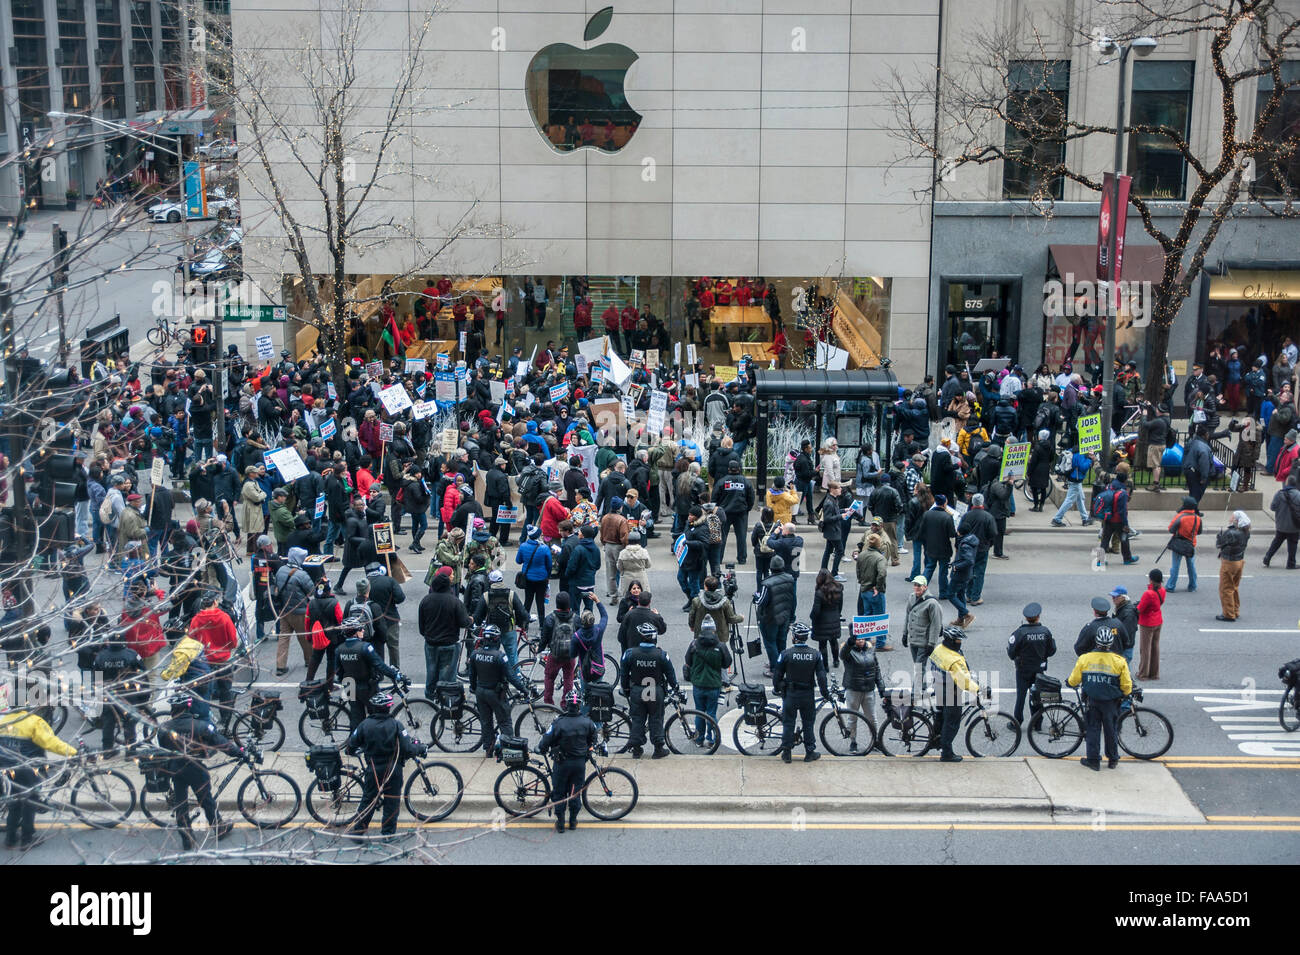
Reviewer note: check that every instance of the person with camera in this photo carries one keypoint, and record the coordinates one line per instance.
(384, 746)
(716, 605)
(646, 671)
(796, 671)
(571, 736)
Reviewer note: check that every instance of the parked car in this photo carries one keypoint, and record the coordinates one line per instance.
(219, 264)
(219, 149)
(172, 210)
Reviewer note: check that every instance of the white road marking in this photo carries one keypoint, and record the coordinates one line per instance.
(1241, 630)
(1251, 733)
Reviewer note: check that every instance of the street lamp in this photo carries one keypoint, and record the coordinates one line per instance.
(1143, 46)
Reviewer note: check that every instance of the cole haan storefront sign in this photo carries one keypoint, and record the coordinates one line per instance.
(1255, 285)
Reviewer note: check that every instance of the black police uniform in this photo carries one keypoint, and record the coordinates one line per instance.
(571, 737)
(385, 745)
(797, 669)
(646, 669)
(356, 660)
(1030, 646)
(118, 664)
(489, 671)
(1087, 641)
(193, 737)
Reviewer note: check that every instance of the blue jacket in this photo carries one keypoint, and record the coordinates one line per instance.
(584, 561)
(1081, 465)
(535, 568)
(1119, 509)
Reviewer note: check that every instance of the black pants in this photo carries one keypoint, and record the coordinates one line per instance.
(835, 547)
(493, 714)
(21, 822)
(374, 778)
(1102, 716)
(1040, 496)
(798, 704)
(1002, 532)
(834, 648)
(534, 595)
(739, 524)
(566, 787)
(316, 656)
(501, 530)
(190, 774)
(1109, 532)
(652, 501)
(1195, 486)
(113, 715)
(1291, 540)
(642, 711)
(1023, 682)
(950, 722)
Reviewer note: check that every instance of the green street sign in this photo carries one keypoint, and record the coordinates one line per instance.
(254, 313)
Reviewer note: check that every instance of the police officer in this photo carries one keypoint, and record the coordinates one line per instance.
(1106, 679)
(646, 670)
(24, 738)
(952, 677)
(735, 500)
(489, 671)
(122, 688)
(1030, 645)
(797, 668)
(384, 745)
(1101, 623)
(360, 667)
(192, 735)
(572, 736)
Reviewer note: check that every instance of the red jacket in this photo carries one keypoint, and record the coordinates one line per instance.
(706, 299)
(582, 315)
(1149, 606)
(368, 437)
(552, 513)
(610, 318)
(1284, 461)
(144, 632)
(213, 628)
(630, 317)
(450, 501)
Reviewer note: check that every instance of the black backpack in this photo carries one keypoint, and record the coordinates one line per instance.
(499, 612)
(562, 641)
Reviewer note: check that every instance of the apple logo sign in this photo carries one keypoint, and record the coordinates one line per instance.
(576, 97)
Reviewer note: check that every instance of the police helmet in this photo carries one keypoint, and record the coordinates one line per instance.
(380, 704)
(1104, 639)
(491, 634)
(800, 632)
(572, 702)
(647, 632)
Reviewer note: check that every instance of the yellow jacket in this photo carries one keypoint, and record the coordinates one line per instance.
(1104, 676)
(186, 650)
(21, 725)
(782, 503)
(954, 664)
(964, 436)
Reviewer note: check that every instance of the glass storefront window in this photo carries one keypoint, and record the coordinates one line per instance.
(1162, 96)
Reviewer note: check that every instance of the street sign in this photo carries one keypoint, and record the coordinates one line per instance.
(254, 313)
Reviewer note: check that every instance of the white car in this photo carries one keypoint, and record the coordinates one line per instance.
(218, 206)
(219, 149)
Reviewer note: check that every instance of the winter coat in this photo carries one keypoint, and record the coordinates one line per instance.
(1286, 510)
(583, 564)
(936, 533)
(634, 565)
(706, 658)
(1232, 542)
(713, 603)
(862, 669)
(251, 518)
(776, 599)
(1041, 459)
(830, 469)
(825, 616)
(535, 559)
(922, 621)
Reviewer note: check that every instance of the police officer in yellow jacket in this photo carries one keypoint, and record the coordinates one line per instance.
(1106, 681)
(951, 678)
(24, 737)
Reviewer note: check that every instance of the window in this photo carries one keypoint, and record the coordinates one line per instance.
(142, 56)
(1280, 175)
(1162, 97)
(30, 63)
(72, 44)
(173, 83)
(1038, 102)
(108, 58)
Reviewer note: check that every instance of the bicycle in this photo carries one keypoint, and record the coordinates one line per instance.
(268, 798)
(1057, 730)
(906, 730)
(100, 798)
(460, 729)
(833, 730)
(988, 732)
(337, 803)
(1288, 711)
(528, 788)
(165, 332)
(682, 729)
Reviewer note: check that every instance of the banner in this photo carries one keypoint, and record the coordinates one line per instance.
(196, 192)
(1090, 433)
(872, 627)
(507, 515)
(1015, 460)
(328, 429)
(1113, 215)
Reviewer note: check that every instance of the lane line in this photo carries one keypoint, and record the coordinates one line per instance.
(1241, 630)
(1251, 826)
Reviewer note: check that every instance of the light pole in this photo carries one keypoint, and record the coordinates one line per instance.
(1143, 46)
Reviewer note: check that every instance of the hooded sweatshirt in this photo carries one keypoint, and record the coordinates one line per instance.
(713, 603)
(706, 658)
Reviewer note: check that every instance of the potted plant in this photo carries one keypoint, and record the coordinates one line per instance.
(72, 196)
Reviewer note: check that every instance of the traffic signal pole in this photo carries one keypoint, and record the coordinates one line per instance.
(59, 280)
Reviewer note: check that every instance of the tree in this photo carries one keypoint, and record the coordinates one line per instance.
(321, 165)
(964, 116)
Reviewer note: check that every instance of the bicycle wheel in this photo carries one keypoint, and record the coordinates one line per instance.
(523, 791)
(331, 729)
(1145, 733)
(683, 735)
(103, 798)
(993, 733)
(157, 336)
(417, 716)
(57, 718)
(612, 671)
(437, 788)
(762, 738)
(610, 794)
(269, 799)
(617, 733)
(158, 808)
(1288, 712)
(533, 722)
(248, 729)
(843, 735)
(339, 807)
(1055, 731)
(906, 737)
(461, 735)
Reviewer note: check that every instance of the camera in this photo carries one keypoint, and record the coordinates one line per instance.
(729, 584)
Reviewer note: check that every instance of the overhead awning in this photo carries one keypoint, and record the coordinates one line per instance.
(851, 385)
(1142, 263)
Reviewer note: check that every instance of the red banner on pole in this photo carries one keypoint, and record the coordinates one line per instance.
(1113, 215)
(1103, 227)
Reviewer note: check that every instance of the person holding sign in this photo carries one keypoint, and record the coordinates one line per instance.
(862, 679)
(496, 494)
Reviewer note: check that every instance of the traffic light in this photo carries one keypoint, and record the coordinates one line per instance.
(201, 343)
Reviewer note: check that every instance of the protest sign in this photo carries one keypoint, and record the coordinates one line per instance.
(265, 350)
(1015, 460)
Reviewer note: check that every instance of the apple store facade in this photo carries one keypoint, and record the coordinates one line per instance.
(635, 152)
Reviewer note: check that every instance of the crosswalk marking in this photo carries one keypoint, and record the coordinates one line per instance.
(1251, 724)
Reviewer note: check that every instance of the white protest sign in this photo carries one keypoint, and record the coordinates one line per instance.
(498, 389)
(581, 361)
(592, 349)
(265, 350)
(395, 399)
(288, 465)
(690, 354)
(658, 410)
(619, 373)
(450, 438)
(414, 365)
(156, 471)
(424, 409)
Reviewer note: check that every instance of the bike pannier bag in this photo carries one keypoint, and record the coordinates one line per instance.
(1048, 688)
(1290, 673)
(514, 751)
(154, 768)
(600, 702)
(314, 696)
(327, 763)
(451, 699)
(266, 703)
(753, 701)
